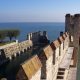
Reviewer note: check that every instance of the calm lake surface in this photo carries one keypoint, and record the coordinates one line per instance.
(53, 29)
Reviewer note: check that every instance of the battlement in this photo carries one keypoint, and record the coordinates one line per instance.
(29, 68)
(11, 50)
(38, 37)
(68, 15)
(75, 15)
(45, 65)
(50, 57)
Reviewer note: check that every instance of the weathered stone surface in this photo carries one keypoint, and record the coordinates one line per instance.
(30, 70)
(49, 70)
(72, 23)
(48, 51)
(44, 66)
(16, 48)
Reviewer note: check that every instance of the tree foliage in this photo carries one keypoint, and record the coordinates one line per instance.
(2, 36)
(9, 33)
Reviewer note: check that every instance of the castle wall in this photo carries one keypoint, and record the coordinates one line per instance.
(38, 37)
(37, 76)
(50, 57)
(56, 49)
(46, 57)
(24, 45)
(76, 30)
(30, 69)
(61, 52)
(49, 68)
(11, 50)
(69, 24)
(34, 36)
(72, 23)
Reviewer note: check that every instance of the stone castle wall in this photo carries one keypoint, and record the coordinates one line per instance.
(15, 48)
(37, 37)
(30, 69)
(46, 64)
(50, 57)
(72, 23)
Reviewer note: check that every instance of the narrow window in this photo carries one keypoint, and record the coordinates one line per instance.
(54, 58)
(79, 41)
(63, 45)
(59, 50)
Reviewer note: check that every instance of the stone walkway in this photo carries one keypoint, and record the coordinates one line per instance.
(72, 74)
(69, 73)
(67, 58)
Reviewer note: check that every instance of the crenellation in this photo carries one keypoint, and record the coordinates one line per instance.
(13, 49)
(68, 15)
(38, 37)
(48, 62)
(60, 39)
(30, 69)
(77, 15)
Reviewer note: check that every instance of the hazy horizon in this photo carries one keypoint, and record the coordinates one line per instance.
(31, 22)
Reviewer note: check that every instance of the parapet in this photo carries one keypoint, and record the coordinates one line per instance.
(68, 15)
(29, 68)
(66, 33)
(14, 48)
(48, 51)
(77, 15)
(60, 39)
(55, 44)
(64, 36)
(34, 64)
(45, 53)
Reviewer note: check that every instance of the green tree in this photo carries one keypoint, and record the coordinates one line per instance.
(12, 34)
(16, 33)
(2, 35)
(9, 33)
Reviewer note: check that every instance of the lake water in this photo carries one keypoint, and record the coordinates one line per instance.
(53, 29)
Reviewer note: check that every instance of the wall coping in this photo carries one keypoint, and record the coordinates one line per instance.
(31, 66)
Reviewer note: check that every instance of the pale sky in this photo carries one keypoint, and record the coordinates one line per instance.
(37, 10)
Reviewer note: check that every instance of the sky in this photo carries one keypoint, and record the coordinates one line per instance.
(37, 10)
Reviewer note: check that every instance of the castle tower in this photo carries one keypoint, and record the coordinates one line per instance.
(69, 24)
(72, 25)
(76, 29)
